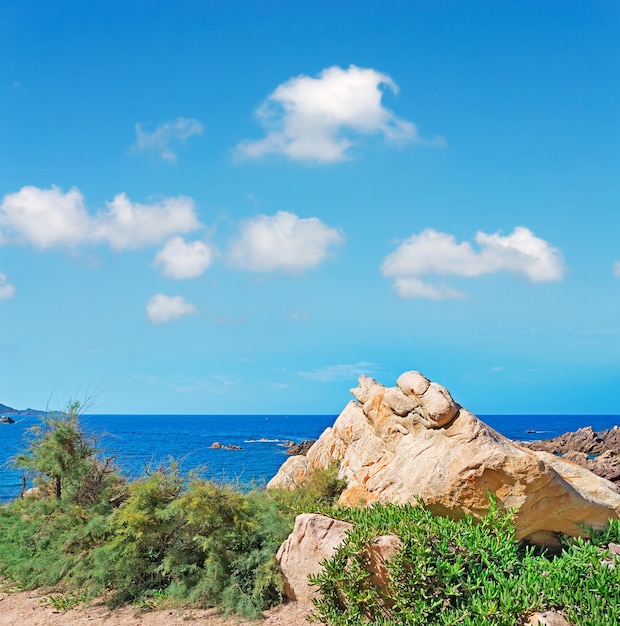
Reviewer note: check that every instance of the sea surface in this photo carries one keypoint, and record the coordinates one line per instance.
(146, 441)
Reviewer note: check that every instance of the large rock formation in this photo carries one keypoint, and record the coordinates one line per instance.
(399, 443)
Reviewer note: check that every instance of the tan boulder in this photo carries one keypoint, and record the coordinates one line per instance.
(548, 618)
(313, 540)
(413, 440)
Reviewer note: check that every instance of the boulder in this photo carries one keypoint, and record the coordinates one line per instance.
(313, 540)
(414, 441)
(548, 618)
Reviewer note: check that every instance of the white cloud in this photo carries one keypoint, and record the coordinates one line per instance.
(180, 259)
(44, 218)
(617, 269)
(7, 291)
(162, 309)
(282, 242)
(128, 224)
(333, 373)
(436, 253)
(167, 137)
(321, 119)
(47, 218)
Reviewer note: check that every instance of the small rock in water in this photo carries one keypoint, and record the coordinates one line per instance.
(216, 445)
(300, 448)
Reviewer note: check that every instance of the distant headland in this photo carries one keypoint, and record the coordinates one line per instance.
(9, 411)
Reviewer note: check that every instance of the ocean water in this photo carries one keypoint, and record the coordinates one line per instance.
(142, 441)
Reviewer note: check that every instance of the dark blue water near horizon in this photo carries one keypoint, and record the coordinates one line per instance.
(142, 441)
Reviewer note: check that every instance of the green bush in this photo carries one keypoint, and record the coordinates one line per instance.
(65, 461)
(462, 572)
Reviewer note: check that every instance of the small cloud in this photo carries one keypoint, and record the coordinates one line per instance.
(617, 269)
(7, 291)
(299, 316)
(333, 373)
(179, 259)
(130, 225)
(166, 138)
(436, 253)
(252, 198)
(151, 381)
(279, 386)
(321, 119)
(497, 368)
(282, 242)
(216, 383)
(162, 309)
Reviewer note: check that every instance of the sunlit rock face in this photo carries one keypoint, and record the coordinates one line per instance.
(396, 444)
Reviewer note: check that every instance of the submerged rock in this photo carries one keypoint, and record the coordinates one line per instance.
(413, 440)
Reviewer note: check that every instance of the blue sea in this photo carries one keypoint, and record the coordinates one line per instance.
(143, 441)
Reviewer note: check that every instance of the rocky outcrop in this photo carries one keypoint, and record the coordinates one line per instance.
(585, 440)
(413, 440)
(300, 448)
(597, 451)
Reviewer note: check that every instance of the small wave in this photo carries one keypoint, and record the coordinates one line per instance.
(262, 440)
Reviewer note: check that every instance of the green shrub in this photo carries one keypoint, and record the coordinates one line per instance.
(65, 461)
(461, 572)
(319, 493)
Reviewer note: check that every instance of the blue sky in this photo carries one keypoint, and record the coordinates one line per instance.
(239, 207)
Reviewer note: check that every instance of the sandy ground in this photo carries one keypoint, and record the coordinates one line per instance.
(29, 608)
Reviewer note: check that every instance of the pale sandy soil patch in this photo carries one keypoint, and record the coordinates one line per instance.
(29, 608)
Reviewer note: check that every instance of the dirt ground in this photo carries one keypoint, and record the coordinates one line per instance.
(30, 608)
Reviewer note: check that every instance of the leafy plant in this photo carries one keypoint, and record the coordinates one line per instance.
(64, 460)
(64, 602)
(461, 572)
